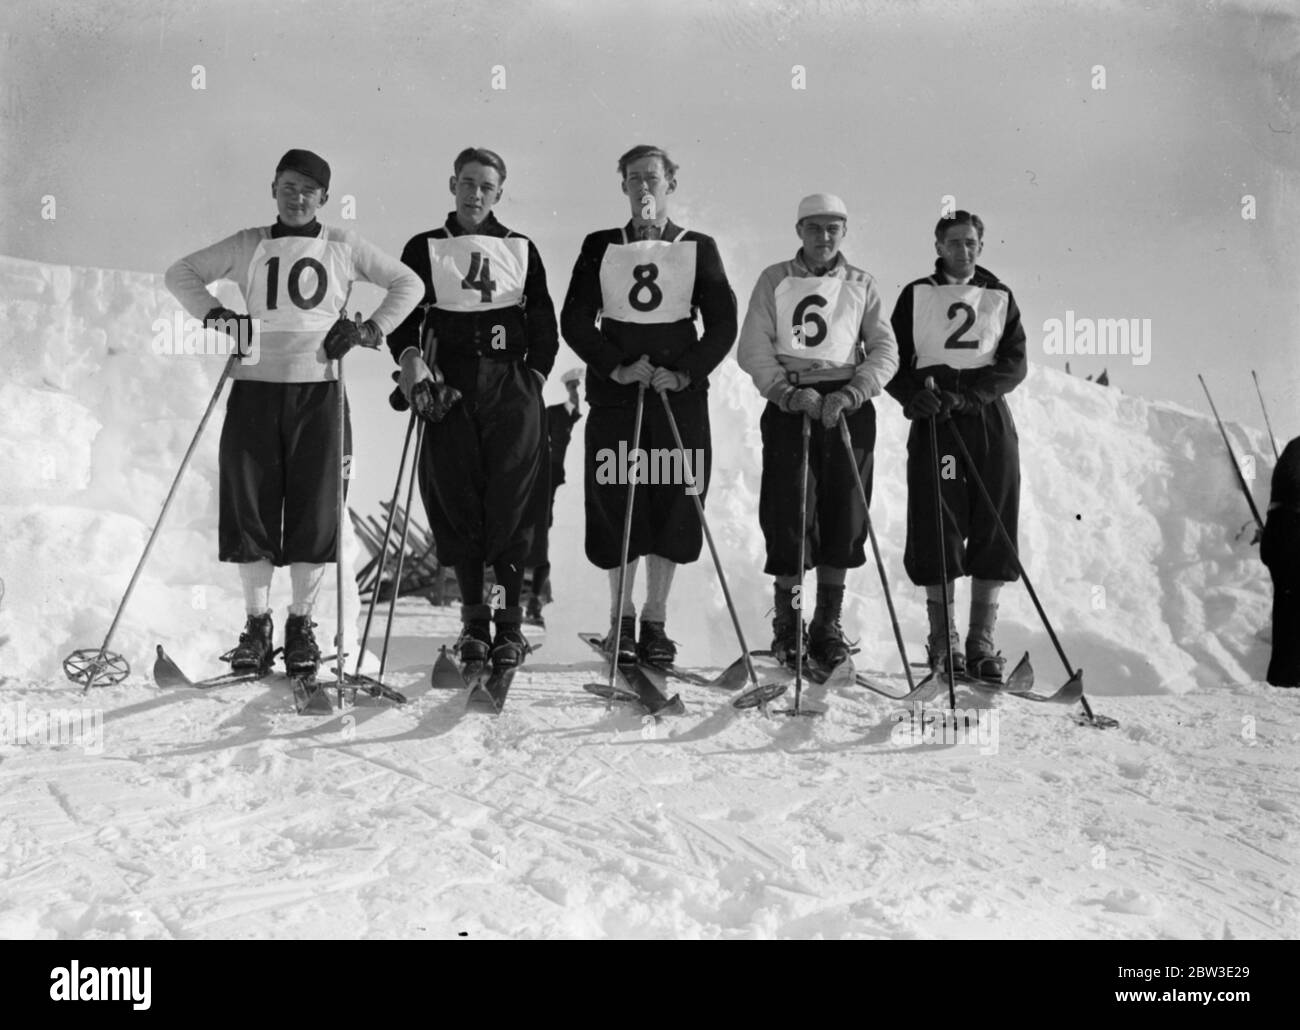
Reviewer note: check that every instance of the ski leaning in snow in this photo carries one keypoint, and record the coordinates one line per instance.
(640, 680)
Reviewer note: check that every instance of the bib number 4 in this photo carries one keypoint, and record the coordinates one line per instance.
(479, 277)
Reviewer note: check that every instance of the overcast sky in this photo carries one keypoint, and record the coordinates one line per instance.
(1122, 202)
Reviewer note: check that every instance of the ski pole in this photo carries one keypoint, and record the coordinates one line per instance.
(943, 557)
(383, 553)
(1241, 479)
(875, 549)
(1020, 568)
(344, 467)
(1271, 438)
(401, 550)
(93, 668)
(713, 550)
(805, 435)
(627, 539)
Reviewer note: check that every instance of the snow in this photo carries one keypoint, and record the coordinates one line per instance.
(138, 812)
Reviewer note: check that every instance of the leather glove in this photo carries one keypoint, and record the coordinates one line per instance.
(803, 399)
(837, 403)
(640, 371)
(344, 335)
(432, 400)
(924, 404)
(223, 320)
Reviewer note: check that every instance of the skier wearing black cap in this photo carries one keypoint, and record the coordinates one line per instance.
(280, 453)
(483, 468)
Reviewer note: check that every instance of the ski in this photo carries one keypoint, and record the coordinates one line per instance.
(922, 691)
(731, 678)
(641, 681)
(311, 697)
(490, 691)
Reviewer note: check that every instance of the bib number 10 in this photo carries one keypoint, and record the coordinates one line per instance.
(295, 283)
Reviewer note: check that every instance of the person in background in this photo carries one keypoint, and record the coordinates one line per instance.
(1280, 552)
(560, 420)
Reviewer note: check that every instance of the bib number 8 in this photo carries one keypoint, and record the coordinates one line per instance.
(803, 319)
(295, 283)
(954, 341)
(645, 276)
(479, 277)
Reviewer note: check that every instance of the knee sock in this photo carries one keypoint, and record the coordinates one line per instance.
(659, 574)
(628, 610)
(934, 607)
(255, 578)
(983, 616)
(306, 579)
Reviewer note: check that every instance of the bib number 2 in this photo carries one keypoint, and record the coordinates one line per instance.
(954, 341)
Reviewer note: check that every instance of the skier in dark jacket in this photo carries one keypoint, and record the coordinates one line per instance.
(1280, 551)
(483, 469)
(630, 315)
(961, 326)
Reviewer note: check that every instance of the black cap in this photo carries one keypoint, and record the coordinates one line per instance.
(311, 165)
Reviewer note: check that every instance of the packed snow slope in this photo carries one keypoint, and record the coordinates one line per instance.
(224, 814)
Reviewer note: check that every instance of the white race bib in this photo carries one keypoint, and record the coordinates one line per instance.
(298, 283)
(649, 281)
(957, 326)
(819, 318)
(477, 273)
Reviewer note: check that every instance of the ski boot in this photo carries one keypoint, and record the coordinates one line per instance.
(938, 659)
(626, 640)
(254, 649)
(301, 655)
(784, 639)
(653, 646)
(986, 667)
(475, 643)
(509, 646)
(826, 643)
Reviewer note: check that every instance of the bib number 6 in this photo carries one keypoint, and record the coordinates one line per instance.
(803, 318)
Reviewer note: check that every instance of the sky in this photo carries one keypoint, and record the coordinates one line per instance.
(1122, 202)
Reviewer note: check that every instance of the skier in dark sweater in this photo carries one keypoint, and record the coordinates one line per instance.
(483, 468)
(961, 326)
(1280, 552)
(630, 315)
(560, 420)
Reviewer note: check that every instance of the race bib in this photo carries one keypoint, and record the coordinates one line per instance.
(478, 273)
(957, 326)
(819, 318)
(298, 283)
(648, 281)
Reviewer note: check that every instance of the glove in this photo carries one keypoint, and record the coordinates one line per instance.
(344, 335)
(803, 399)
(666, 379)
(433, 400)
(640, 371)
(223, 320)
(841, 401)
(951, 403)
(924, 404)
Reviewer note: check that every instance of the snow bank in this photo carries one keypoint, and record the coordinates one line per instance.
(94, 426)
(1129, 523)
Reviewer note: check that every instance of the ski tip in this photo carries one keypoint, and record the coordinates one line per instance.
(734, 676)
(166, 673)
